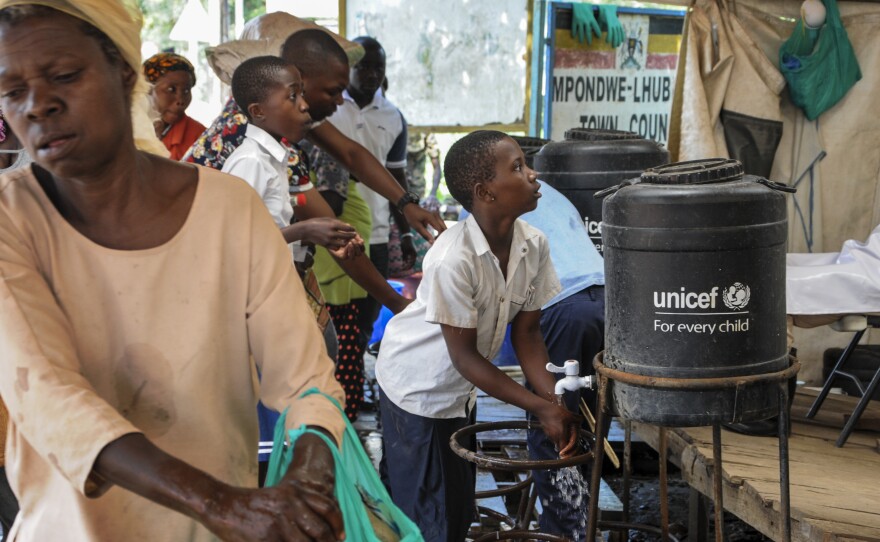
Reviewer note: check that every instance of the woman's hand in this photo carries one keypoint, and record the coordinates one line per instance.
(287, 512)
(300, 507)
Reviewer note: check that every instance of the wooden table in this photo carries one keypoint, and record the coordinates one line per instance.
(835, 492)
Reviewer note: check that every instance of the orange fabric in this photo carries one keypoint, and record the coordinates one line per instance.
(181, 136)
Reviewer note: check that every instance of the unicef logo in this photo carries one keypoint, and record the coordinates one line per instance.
(736, 296)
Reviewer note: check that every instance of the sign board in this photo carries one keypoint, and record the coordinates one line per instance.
(626, 88)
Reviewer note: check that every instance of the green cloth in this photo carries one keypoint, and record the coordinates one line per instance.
(338, 288)
(820, 67)
(368, 513)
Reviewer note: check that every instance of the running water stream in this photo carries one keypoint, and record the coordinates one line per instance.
(574, 493)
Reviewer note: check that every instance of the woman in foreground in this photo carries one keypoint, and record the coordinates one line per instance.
(133, 293)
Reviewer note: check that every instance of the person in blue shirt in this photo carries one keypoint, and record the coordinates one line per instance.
(573, 325)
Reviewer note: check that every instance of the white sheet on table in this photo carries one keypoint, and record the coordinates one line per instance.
(845, 282)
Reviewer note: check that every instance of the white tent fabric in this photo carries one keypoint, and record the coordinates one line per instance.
(840, 200)
(845, 282)
(834, 161)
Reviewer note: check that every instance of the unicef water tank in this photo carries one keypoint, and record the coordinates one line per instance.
(695, 288)
(592, 160)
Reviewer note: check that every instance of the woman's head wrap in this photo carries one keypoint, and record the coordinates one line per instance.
(121, 21)
(264, 35)
(161, 63)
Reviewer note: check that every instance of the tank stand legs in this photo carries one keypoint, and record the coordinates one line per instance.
(596, 475)
(784, 490)
(717, 477)
(605, 375)
(627, 467)
(664, 486)
(598, 456)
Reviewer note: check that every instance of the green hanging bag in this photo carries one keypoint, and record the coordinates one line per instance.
(819, 65)
(367, 511)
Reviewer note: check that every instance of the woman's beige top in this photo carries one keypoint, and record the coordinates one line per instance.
(97, 343)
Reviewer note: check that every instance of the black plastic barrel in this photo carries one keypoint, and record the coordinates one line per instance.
(592, 160)
(530, 146)
(695, 288)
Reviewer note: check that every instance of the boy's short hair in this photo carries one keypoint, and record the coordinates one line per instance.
(311, 50)
(471, 160)
(254, 79)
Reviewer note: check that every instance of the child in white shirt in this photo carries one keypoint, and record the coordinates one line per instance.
(480, 275)
(271, 93)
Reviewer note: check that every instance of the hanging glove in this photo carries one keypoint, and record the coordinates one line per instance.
(583, 23)
(608, 18)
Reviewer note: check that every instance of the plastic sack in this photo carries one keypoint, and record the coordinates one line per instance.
(367, 511)
(820, 69)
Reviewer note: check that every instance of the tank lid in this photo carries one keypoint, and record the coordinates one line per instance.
(586, 134)
(711, 170)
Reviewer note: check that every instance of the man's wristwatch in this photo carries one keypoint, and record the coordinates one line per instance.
(405, 199)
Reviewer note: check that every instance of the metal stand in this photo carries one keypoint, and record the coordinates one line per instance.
(527, 502)
(606, 375)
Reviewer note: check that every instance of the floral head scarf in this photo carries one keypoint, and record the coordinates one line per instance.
(161, 63)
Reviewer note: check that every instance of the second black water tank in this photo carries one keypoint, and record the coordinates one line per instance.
(591, 160)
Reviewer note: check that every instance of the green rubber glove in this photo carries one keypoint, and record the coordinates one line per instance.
(583, 23)
(608, 18)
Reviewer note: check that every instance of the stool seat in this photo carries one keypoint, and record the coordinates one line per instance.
(856, 324)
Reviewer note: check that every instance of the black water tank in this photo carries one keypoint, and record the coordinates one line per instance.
(591, 160)
(530, 146)
(695, 288)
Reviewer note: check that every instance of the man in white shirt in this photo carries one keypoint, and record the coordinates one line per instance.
(369, 118)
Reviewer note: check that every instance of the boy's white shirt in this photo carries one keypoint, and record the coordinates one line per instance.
(462, 286)
(262, 163)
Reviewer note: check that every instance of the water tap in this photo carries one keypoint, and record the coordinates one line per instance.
(572, 380)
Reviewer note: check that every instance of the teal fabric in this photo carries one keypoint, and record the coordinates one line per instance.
(357, 483)
(819, 66)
